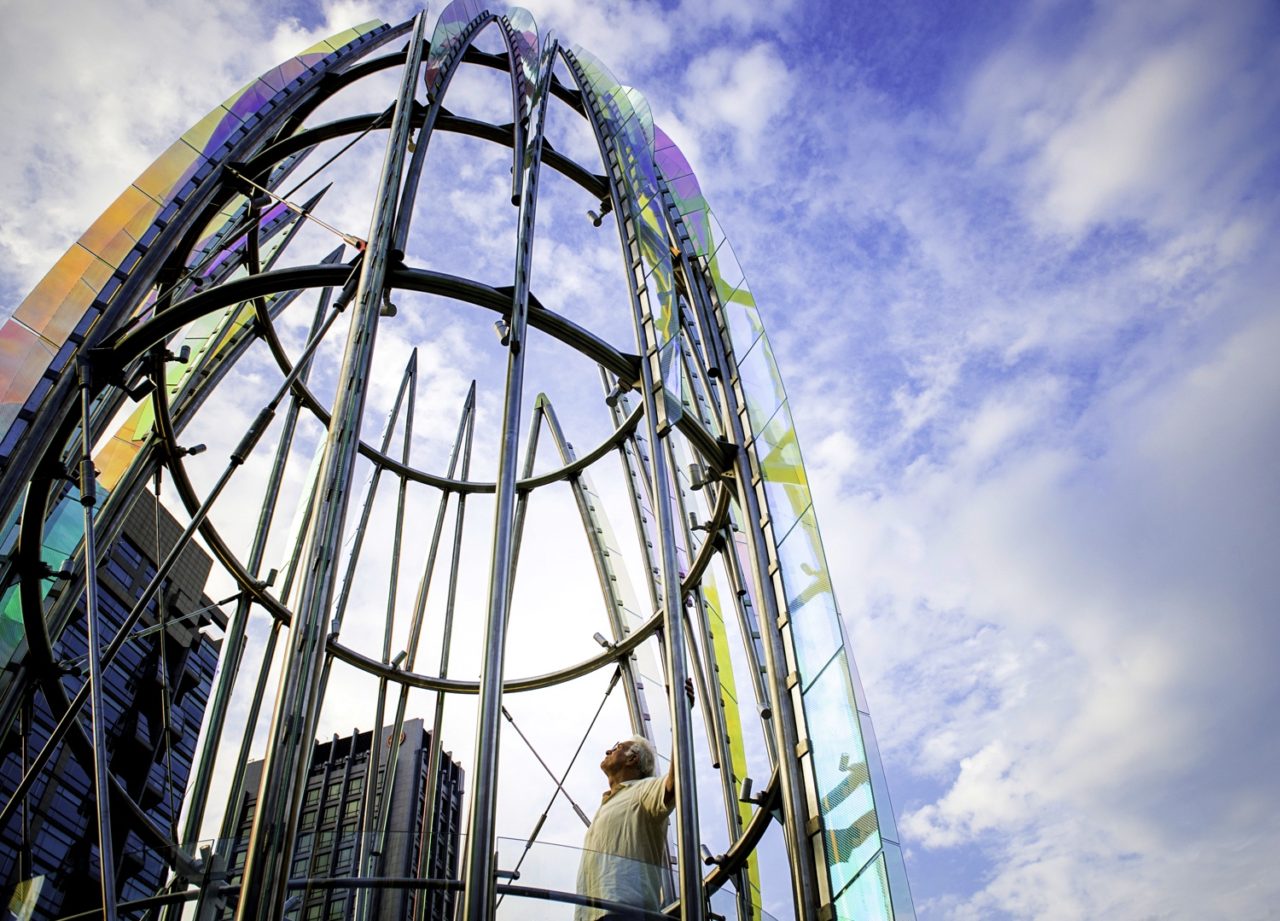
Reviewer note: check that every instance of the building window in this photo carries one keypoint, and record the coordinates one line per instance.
(129, 553)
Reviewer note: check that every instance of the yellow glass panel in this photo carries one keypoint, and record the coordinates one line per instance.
(349, 35)
(786, 484)
(199, 134)
(337, 41)
(334, 42)
(96, 273)
(161, 177)
(220, 220)
(732, 715)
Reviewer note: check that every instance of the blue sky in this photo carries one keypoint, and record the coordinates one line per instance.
(1013, 259)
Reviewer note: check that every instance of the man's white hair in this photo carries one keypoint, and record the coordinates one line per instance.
(646, 760)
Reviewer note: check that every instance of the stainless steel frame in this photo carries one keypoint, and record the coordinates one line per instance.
(653, 435)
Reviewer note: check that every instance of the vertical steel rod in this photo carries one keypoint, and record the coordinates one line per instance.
(231, 819)
(522, 498)
(604, 572)
(286, 761)
(691, 897)
(464, 441)
(372, 844)
(478, 876)
(692, 901)
(101, 783)
(340, 612)
(233, 644)
(633, 454)
(371, 491)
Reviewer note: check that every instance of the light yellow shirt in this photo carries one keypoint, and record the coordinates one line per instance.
(624, 856)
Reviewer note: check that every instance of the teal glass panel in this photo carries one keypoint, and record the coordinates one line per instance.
(879, 785)
(11, 631)
(850, 833)
(899, 886)
(867, 898)
(811, 603)
(761, 384)
(64, 529)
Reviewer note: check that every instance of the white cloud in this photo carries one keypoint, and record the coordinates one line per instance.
(1039, 408)
(1085, 610)
(1119, 146)
(1144, 120)
(741, 92)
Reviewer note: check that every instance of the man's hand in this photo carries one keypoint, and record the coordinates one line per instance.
(670, 792)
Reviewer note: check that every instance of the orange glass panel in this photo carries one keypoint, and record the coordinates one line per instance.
(57, 303)
(23, 358)
(118, 453)
(120, 226)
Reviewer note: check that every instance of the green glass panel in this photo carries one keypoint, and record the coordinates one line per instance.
(732, 291)
(628, 122)
(786, 485)
(761, 384)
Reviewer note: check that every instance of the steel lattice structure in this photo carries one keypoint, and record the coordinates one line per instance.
(108, 371)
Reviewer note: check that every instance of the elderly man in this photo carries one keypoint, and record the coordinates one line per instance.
(625, 851)
(624, 857)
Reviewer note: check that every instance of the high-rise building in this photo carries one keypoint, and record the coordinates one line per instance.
(48, 850)
(328, 841)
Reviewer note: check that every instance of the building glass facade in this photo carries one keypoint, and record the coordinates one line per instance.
(329, 842)
(48, 851)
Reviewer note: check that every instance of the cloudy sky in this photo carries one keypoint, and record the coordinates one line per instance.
(1013, 261)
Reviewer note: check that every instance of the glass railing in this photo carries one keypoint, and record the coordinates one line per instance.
(375, 877)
